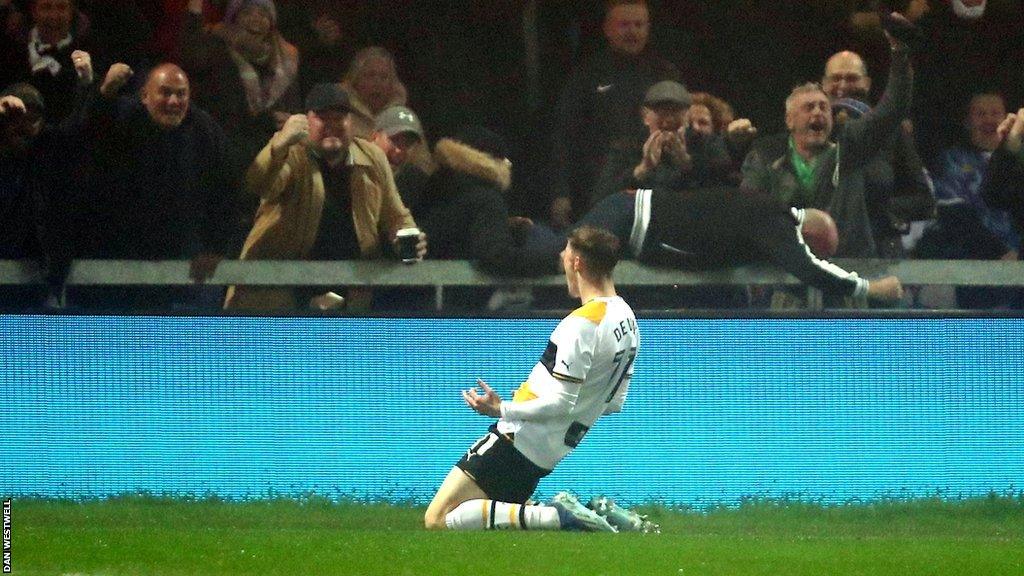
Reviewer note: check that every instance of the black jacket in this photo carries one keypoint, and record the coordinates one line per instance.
(154, 193)
(1003, 187)
(719, 227)
(599, 104)
(464, 214)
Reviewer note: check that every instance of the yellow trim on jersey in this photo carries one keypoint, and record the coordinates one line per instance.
(593, 311)
(567, 378)
(524, 393)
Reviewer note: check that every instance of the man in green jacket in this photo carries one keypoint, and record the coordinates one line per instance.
(805, 168)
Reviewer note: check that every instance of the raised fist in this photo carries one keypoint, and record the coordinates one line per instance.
(9, 104)
(295, 130)
(83, 65)
(741, 131)
(118, 75)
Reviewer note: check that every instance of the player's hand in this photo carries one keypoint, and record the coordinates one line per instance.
(83, 66)
(116, 78)
(888, 289)
(488, 403)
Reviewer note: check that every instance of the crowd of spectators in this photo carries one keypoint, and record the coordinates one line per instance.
(315, 130)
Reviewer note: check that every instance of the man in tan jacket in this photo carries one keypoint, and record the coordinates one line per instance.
(325, 195)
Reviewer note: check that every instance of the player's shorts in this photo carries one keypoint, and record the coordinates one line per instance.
(501, 471)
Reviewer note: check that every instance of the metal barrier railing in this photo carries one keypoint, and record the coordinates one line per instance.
(440, 274)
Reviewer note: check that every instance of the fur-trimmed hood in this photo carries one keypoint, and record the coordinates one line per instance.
(468, 160)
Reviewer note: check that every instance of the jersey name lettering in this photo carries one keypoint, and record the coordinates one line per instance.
(625, 326)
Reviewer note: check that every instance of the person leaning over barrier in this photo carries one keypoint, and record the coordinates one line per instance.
(719, 227)
(324, 195)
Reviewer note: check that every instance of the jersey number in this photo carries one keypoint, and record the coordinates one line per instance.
(622, 369)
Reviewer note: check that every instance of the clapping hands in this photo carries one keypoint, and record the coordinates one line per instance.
(1011, 131)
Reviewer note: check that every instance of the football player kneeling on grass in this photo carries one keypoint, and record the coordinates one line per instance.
(584, 373)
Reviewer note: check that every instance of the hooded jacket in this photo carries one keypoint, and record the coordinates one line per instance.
(464, 214)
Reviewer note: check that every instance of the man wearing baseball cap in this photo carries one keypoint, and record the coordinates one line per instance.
(324, 195)
(398, 132)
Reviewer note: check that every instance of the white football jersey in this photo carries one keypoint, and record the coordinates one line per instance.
(584, 373)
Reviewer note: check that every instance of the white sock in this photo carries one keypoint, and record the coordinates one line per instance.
(494, 515)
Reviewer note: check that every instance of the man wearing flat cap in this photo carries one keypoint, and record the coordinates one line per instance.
(324, 195)
(669, 157)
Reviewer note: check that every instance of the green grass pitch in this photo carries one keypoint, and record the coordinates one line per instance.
(156, 537)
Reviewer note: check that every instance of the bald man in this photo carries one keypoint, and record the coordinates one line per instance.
(898, 188)
(158, 189)
(846, 76)
(166, 96)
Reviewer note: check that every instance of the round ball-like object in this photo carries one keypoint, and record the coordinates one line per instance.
(820, 233)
